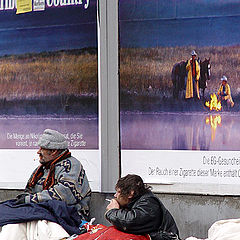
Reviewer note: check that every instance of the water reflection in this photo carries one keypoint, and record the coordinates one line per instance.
(180, 131)
(23, 132)
(214, 121)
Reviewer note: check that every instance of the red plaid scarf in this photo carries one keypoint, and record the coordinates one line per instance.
(49, 181)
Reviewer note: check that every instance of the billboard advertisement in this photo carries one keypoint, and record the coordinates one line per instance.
(48, 66)
(179, 93)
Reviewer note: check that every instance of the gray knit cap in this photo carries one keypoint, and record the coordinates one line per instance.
(52, 139)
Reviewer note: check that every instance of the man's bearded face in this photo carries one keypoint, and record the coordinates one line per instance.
(45, 155)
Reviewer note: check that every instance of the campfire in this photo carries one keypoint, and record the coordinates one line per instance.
(214, 103)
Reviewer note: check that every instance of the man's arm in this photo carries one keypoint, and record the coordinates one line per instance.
(188, 66)
(228, 92)
(143, 218)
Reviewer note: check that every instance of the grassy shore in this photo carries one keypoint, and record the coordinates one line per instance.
(141, 68)
(62, 78)
(60, 73)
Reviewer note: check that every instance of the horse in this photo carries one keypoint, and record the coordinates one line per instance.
(179, 75)
(205, 73)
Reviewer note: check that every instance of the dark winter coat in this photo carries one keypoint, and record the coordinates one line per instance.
(144, 215)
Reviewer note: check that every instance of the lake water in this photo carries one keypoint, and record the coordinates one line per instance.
(180, 131)
(23, 132)
(52, 38)
(143, 131)
(181, 32)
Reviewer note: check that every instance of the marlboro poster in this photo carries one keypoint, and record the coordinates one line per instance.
(179, 92)
(48, 79)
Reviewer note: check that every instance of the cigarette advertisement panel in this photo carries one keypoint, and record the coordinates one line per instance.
(180, 92)
(48, 79)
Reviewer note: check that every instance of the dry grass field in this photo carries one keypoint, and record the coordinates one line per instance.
(75, 72)
(48, 74)
(144, 67)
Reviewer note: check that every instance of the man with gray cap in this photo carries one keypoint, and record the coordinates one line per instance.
(58, 177)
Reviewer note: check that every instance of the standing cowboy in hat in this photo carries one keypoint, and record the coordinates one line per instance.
(193, 69)
(224, 93)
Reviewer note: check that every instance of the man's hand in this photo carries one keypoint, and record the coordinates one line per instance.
(113, 204)
(20, 199)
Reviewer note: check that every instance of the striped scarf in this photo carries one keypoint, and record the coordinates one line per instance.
(49, 181)
(193, 63)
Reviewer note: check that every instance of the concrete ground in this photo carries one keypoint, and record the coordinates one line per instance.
(194, 214)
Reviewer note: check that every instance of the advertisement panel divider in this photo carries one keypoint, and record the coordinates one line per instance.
(108, 94)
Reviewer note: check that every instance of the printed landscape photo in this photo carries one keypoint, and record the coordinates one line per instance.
(157, 39)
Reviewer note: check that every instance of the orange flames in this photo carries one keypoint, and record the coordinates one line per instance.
(214, 104)
(214, 121)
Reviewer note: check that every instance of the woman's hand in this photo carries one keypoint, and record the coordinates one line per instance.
(113, 204)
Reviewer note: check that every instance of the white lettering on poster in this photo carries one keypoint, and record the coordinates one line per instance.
(56, 3)
(75, 139)
(11, 4)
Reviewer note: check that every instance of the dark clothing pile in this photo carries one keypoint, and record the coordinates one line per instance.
(52, 210)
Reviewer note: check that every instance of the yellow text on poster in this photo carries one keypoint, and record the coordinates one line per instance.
(24, 6)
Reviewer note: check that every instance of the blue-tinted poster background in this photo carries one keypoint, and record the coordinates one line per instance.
(56, 28)
(48, 66)
(157, 23)
(154, 36)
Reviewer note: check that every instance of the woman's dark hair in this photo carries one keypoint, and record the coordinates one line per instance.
(132, 182)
